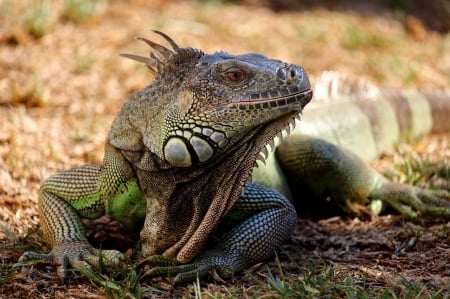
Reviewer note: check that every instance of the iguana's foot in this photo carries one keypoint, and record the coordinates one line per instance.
(210, 262)
(411, 201)
(78, 255)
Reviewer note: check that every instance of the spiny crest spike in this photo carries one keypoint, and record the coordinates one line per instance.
(265, 152)
(168, 39)
(260, 157)
(284, 134)
(293, 124)
(161, 49)
(280, 136)
(152, 55)
(149, 61)
(288, 129)
(271, 144)
(332, 86)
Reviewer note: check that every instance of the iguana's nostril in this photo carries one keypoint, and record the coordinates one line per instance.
(293, 74)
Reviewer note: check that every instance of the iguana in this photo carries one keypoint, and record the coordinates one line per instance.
(179, 155)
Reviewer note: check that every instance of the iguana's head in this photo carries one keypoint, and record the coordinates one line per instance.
(205, 104)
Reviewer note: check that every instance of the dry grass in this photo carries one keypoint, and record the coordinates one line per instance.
(62, 82)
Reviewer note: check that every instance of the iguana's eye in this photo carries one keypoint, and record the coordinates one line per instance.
(234, 75)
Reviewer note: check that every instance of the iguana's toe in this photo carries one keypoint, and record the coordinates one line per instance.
(181, 273)
(410, 200)
(430, 202)
(209, 263)
(34, 256)
(76, 256)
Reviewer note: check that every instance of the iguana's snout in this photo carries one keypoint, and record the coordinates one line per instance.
(293, 75)
(292, 89)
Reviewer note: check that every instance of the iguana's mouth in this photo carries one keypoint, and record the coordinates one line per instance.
(293, 101)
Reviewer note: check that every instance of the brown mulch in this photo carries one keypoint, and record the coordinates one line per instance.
(384, 249)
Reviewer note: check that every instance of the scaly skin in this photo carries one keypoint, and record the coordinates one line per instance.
(177, 159)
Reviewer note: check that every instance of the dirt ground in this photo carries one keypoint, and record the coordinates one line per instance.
(60, 91)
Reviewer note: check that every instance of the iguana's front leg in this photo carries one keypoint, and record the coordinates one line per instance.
(89, 192)
(260, 221)
(317, 169)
